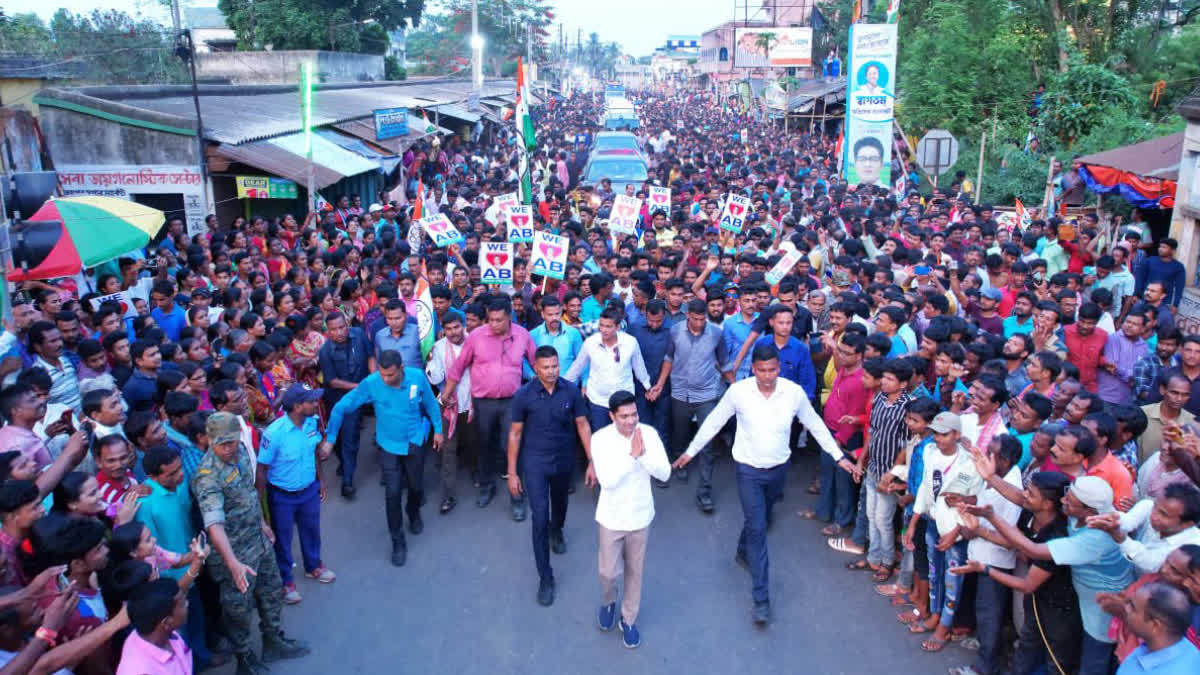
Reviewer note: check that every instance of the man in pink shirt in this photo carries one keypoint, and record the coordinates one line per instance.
(493, 352)
(154, 647)
(1085, 345)
(22, 408)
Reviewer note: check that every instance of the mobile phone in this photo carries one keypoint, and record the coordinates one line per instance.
(921, 270)
(203, 539)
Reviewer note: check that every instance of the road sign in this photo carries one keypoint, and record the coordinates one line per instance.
(937, 151)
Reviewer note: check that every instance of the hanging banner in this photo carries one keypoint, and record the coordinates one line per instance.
(869, 106)
(265, 187)
(733, 215)
(496, 262)
(520, 223)
(441, 230)
(549, 255)
(624, 215)
(660, 199)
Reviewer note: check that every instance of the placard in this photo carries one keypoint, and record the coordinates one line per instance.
(520, 223)
(496, 262)
(441, 230)
(624, 215)
(660, 199)
(549, 255)
(506, 200)
(121, 298)
(781, 268)
(733, 215)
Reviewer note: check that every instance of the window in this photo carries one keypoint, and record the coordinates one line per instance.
(723, 55)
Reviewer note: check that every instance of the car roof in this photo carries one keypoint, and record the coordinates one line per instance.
(615, 133)
(616, 152)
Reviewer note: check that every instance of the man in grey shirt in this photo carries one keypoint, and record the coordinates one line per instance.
(696, 356)
(400, 334)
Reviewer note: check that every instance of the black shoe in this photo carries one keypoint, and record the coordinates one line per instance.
(339, 470)
(558, 542)
(545, 596)
(518, 511)
(280, 646)
(662, 483)
(399, 554)
(415, 525)
(448, 505)
(349, 491)
(571, 487)
(486, 494)
(705, 503)
(762, 613)
(249, 664)
(740, 559)
(682, 475)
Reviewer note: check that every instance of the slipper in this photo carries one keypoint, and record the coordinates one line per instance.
(813, 489)
(860, 565)
(910, 616)
(901, 600)
(891, 590)
(844, 545)
(933, 645)
(918, 627)
(832, 530)
(882, 574)
(807, 514)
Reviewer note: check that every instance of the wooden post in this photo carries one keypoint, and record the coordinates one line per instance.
(979, 174)
(1048, 194)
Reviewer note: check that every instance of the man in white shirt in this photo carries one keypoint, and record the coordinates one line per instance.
(445, 352)
(625, 455)
(764, 406)
(1159, 526)
(615, 360)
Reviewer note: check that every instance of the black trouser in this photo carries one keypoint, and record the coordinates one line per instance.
(400, 471)
(1063, 631)
(681, 434)
(548, 506)
(493, 416)
(992, 601)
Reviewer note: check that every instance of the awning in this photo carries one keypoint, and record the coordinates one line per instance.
(386, 162)
(285, 157)
(1144, 174)
(457, 112)
(365, 129)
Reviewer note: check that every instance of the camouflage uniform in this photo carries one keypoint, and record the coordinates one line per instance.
(225, 493)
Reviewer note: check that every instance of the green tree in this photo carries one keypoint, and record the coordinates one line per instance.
(353, 26)
(442, 46)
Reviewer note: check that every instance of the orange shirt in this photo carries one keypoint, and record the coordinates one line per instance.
(1115, 474)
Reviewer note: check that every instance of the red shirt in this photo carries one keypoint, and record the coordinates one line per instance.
(1085, 353)
(847, 397)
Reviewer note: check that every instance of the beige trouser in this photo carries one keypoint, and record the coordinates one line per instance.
(623, 550)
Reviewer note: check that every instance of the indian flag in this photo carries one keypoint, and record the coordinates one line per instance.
(524, 125)
(893, 11)
(426, 320)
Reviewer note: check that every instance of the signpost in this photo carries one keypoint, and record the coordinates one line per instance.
(937, 151)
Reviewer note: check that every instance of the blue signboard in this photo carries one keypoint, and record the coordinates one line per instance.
(391, 123)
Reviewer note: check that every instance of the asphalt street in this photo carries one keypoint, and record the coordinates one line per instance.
(465, 601)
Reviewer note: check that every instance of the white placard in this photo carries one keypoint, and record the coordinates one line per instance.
(624, 215)
(496, 262)
(733, 215)
(549, 255)
(441, 230)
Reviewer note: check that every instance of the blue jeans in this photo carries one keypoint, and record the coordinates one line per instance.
(194, 633)
(301, 509)
(881, 509)
(944, 587)
(1095, 657)
(758, 489)
(859, 536)
(598, 416)
(992, 600)
(657, 414)
(347, 445)
(836, 502)
(547, 494)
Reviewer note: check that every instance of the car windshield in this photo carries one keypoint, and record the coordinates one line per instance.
(617, 170)
(616, 143)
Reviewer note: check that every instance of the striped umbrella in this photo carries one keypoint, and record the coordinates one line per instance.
(70, 233)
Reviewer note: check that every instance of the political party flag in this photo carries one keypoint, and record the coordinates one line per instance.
(524, 125)
(893, 13)
(417, 203)
(1023, 218)
(425, 318)
(857, 15)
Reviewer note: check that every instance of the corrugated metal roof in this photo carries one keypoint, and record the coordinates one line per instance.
(327, 153)
(240, 114)
(365, 129)
(385, 160)
(458, 112)
(1157, 157)
(801, 98)
(278, 162)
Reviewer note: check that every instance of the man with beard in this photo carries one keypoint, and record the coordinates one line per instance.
(1021, 320)
(1017, 348)
(1085, 345)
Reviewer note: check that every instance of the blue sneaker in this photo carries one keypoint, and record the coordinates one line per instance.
(630, 635)
(607, 617)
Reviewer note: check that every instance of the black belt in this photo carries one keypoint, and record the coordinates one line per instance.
(294, 493)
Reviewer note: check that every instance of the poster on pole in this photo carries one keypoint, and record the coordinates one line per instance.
(660, 200)
(733, 215)
(496, 262)
(624, 216)
(870, 103)
(441, 230)
(549, 255)
(519, 218)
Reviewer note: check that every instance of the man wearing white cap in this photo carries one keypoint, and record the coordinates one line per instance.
(1097, 565)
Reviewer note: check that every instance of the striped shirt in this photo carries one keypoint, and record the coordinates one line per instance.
(888, 435)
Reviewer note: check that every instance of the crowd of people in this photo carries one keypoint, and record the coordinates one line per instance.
(1004, 411)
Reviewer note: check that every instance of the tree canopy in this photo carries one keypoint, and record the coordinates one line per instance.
(338, 25)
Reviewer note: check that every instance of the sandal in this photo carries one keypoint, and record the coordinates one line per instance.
(910, 616)
(813, 488)
(807, 514)
(901, 600)
(832, 530)
(882, 574)
(918, 627)
(933, 645)
(891, 590)
(845, 545)
(860, 565)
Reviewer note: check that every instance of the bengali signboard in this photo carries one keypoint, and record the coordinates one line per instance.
(265, 187)
(869, 104)
(128, 181)
(391, 123)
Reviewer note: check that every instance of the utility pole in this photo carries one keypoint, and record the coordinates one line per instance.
(188, 52)
(175, 16)
(476, 49)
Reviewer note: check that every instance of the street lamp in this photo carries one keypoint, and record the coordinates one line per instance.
(332, 27)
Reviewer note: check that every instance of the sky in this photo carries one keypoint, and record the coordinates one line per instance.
(638, 25)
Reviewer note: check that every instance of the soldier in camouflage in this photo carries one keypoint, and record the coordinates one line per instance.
(245, 570)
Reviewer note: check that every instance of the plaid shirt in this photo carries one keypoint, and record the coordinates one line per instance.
(1145, 375)
(1128, 453)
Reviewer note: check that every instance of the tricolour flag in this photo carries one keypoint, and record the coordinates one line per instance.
(893, 13)
(426, 328)
(1023, 218)
(525, 132)
(857, 15)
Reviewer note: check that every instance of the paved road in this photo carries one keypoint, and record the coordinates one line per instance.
(465, 602)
